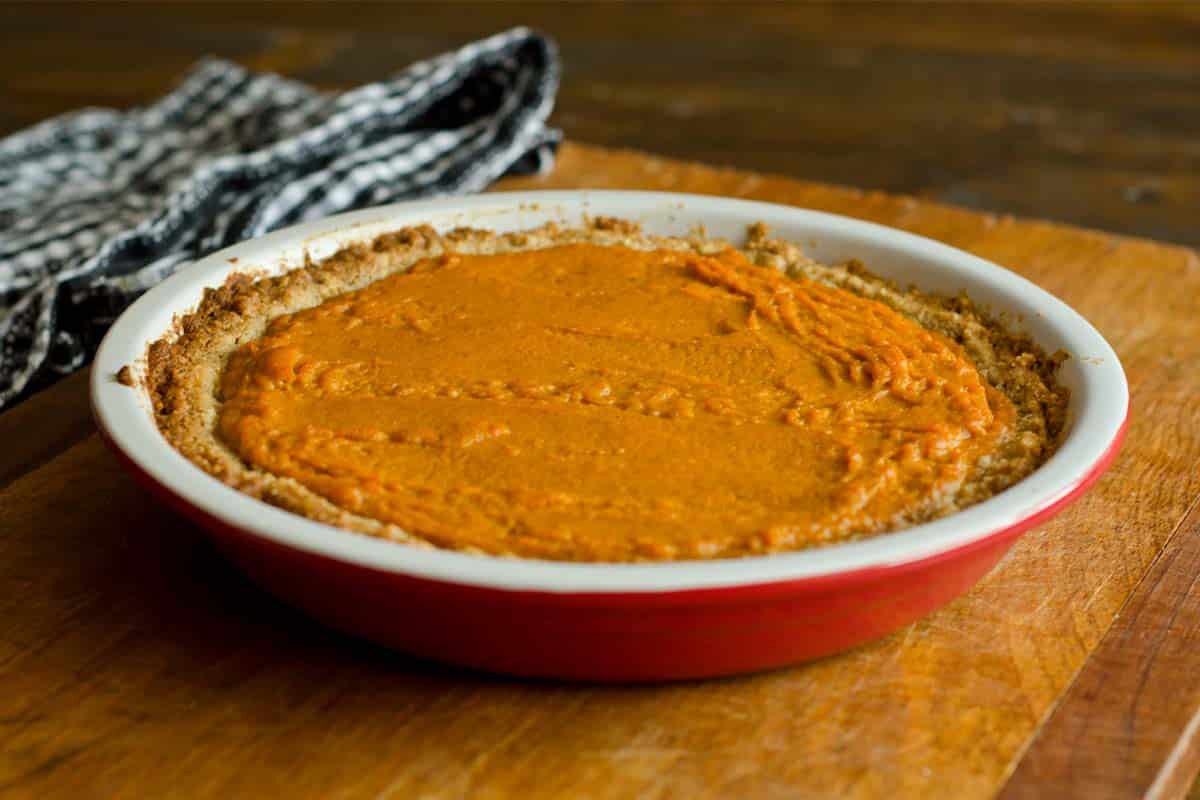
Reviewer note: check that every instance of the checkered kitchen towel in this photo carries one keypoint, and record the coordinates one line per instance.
(99, 205)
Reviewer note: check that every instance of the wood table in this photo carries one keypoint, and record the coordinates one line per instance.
(1085, 112)
(134, 662)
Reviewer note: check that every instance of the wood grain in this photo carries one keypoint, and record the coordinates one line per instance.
(1083, 112)
(134, 662)
(1138, 698)
(31, 435)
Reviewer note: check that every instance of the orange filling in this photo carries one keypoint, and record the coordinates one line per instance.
(599, 403)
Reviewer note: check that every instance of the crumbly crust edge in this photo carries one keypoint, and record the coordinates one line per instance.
(183, 367)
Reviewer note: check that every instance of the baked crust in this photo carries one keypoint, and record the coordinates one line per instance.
(184, 367)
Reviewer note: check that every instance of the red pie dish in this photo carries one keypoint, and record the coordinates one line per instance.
(620, 621)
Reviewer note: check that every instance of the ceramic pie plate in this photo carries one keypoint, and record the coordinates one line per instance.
(621, 622)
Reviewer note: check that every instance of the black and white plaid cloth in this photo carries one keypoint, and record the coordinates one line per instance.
(99, 205)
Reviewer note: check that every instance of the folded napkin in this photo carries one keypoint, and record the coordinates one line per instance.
(99, 205)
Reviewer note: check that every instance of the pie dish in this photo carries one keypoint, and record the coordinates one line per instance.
(608, 620)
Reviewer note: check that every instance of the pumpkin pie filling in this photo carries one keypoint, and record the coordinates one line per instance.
(599, 402)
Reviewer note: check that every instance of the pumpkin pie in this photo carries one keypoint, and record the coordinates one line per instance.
(600, 394)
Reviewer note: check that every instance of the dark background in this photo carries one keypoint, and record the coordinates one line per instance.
(1085, 113)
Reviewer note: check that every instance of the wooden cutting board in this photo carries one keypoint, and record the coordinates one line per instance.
(134, 662)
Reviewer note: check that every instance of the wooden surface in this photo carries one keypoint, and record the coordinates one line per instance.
(1082, 112)
(135, 662)
(1138, 696)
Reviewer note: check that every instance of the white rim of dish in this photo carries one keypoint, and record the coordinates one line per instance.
(1099, 400)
